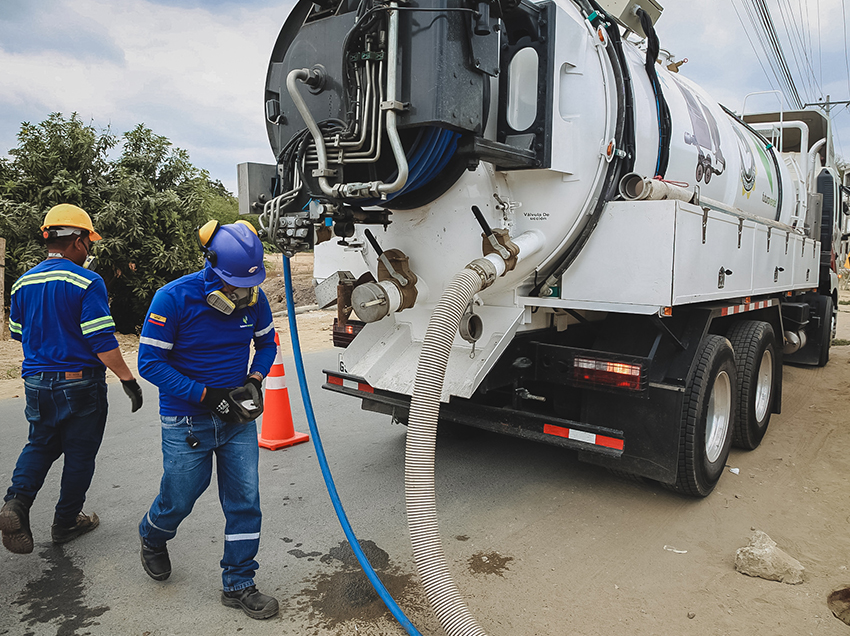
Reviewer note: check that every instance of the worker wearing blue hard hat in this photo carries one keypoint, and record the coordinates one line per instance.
(195, 346)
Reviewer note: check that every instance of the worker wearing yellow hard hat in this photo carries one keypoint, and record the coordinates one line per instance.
(60, 314)
(69, 216)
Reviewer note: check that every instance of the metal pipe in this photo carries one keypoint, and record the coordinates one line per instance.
(804, 137)
(633, 187)
(392, 128)
(301, 75)
(814, 150)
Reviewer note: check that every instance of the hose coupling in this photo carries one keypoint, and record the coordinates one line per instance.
(485, 269)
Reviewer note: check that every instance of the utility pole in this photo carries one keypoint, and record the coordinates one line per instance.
(827, 107)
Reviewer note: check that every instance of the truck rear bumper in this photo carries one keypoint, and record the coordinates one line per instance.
(646, 445)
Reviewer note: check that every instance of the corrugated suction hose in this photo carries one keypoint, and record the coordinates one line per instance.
(440, 588)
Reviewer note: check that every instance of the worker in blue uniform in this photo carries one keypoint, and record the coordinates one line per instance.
(195, 346)
(59, 313)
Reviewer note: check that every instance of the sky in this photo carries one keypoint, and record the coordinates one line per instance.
(194, 70)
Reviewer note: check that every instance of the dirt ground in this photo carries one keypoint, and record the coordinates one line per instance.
(794, 487)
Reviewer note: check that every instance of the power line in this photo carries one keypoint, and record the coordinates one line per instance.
(820, 48)
(779, 53)
(846, 55)
(752, 44)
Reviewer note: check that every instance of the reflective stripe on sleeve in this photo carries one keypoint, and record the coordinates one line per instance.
(263, 332)
(49, 277)
(15, 327)
(97, 324)
(160, 344)
(247, 536)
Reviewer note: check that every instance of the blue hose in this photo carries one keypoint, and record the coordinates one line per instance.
(323, 462)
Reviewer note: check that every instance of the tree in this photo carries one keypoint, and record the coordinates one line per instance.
(155, 200)
(57, 161)
(146, 204)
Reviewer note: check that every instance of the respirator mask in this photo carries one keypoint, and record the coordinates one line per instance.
(231, 298)
(239, 298)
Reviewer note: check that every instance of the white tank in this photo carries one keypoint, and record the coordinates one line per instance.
(709, 150)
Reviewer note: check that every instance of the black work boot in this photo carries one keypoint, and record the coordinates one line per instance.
(156, 561)
(15, 526)
(82, 524)
(251, 602)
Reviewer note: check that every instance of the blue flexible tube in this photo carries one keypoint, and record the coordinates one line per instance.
(323, 462)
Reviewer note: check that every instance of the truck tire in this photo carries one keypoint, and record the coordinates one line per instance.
(758, 369)
(824, 337)
(757, 365)
(708, 416)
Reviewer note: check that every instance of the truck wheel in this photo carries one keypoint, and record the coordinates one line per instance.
(707, 418)
(825, 312)
(754, 343)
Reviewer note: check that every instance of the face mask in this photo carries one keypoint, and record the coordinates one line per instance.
(239, 298)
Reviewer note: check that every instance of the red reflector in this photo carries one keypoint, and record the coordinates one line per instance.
(616, 374)
(350, 384)
(583, 436)
(349, 329)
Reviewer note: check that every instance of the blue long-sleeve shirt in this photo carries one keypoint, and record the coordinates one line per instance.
(187, 345)
(60, 313)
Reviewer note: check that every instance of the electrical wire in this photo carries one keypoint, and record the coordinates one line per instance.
(323, 462)
(752, 45)
(846, 54)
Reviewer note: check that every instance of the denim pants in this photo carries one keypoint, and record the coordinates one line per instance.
(65, 416)
(186, 474)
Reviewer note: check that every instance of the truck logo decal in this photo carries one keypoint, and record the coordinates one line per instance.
(705, 137)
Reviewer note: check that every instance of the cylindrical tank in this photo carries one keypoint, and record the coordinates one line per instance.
(527, 138)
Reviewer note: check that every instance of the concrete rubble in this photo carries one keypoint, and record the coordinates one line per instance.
(762, 558)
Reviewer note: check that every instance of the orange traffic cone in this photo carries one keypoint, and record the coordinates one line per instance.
(277, 430)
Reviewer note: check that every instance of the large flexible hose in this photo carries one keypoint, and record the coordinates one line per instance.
(440, 588)
(323, 462)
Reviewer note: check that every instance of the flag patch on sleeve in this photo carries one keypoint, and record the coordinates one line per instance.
(156, 319)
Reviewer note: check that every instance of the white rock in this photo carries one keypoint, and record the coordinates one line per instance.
(763, 559)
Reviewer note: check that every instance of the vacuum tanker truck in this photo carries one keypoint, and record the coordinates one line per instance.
(558, 238)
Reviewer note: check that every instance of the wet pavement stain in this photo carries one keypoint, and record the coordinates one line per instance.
(489, 563)
(333, 598)
(57, 596)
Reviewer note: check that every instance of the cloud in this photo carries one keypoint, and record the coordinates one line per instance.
(194, 70)
(28, 27)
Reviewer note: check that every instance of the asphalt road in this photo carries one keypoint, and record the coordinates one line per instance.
(538, 542)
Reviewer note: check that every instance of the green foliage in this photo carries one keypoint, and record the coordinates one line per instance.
(58, 161)
(146, 204)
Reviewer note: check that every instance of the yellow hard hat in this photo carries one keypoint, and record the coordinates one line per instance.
(67, 215)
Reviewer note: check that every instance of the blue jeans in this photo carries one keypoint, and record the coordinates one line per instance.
(65, 416)
(187, 473)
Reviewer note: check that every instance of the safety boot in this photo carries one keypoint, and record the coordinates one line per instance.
(15, 526)
(252, 602)
(82, 524)
(156, 561)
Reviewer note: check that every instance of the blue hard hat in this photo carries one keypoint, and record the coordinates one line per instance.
(235, 253)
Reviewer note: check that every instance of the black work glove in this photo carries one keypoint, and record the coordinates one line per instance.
(258, 384)
(219, 402)
(252, 381)
(134, 392)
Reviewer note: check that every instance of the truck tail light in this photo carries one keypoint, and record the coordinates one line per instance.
(344, 334)
(608, 373)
